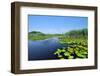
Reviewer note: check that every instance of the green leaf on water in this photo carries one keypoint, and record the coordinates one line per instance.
(70, 57)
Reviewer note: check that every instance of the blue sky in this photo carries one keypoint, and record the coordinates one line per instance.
(55, 24)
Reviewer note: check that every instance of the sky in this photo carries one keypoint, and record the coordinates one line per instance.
(55, 24)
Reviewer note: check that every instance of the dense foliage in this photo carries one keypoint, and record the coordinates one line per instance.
(77, 33)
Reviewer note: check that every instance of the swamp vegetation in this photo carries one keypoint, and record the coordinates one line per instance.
(76, 42)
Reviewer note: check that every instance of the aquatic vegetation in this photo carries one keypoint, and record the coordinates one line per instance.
(76, 42)
(75, 48)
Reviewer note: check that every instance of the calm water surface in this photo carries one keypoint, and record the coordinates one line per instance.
(43, 49)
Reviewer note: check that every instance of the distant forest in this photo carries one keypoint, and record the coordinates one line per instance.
(81, 33)
(77, 33)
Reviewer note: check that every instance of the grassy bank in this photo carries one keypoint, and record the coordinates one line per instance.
(35, 38)
(40, 36)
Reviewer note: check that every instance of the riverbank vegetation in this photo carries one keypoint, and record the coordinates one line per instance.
(76, 45)
(76, 42)
(35, 35)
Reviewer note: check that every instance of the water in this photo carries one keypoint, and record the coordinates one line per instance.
(43, 49)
